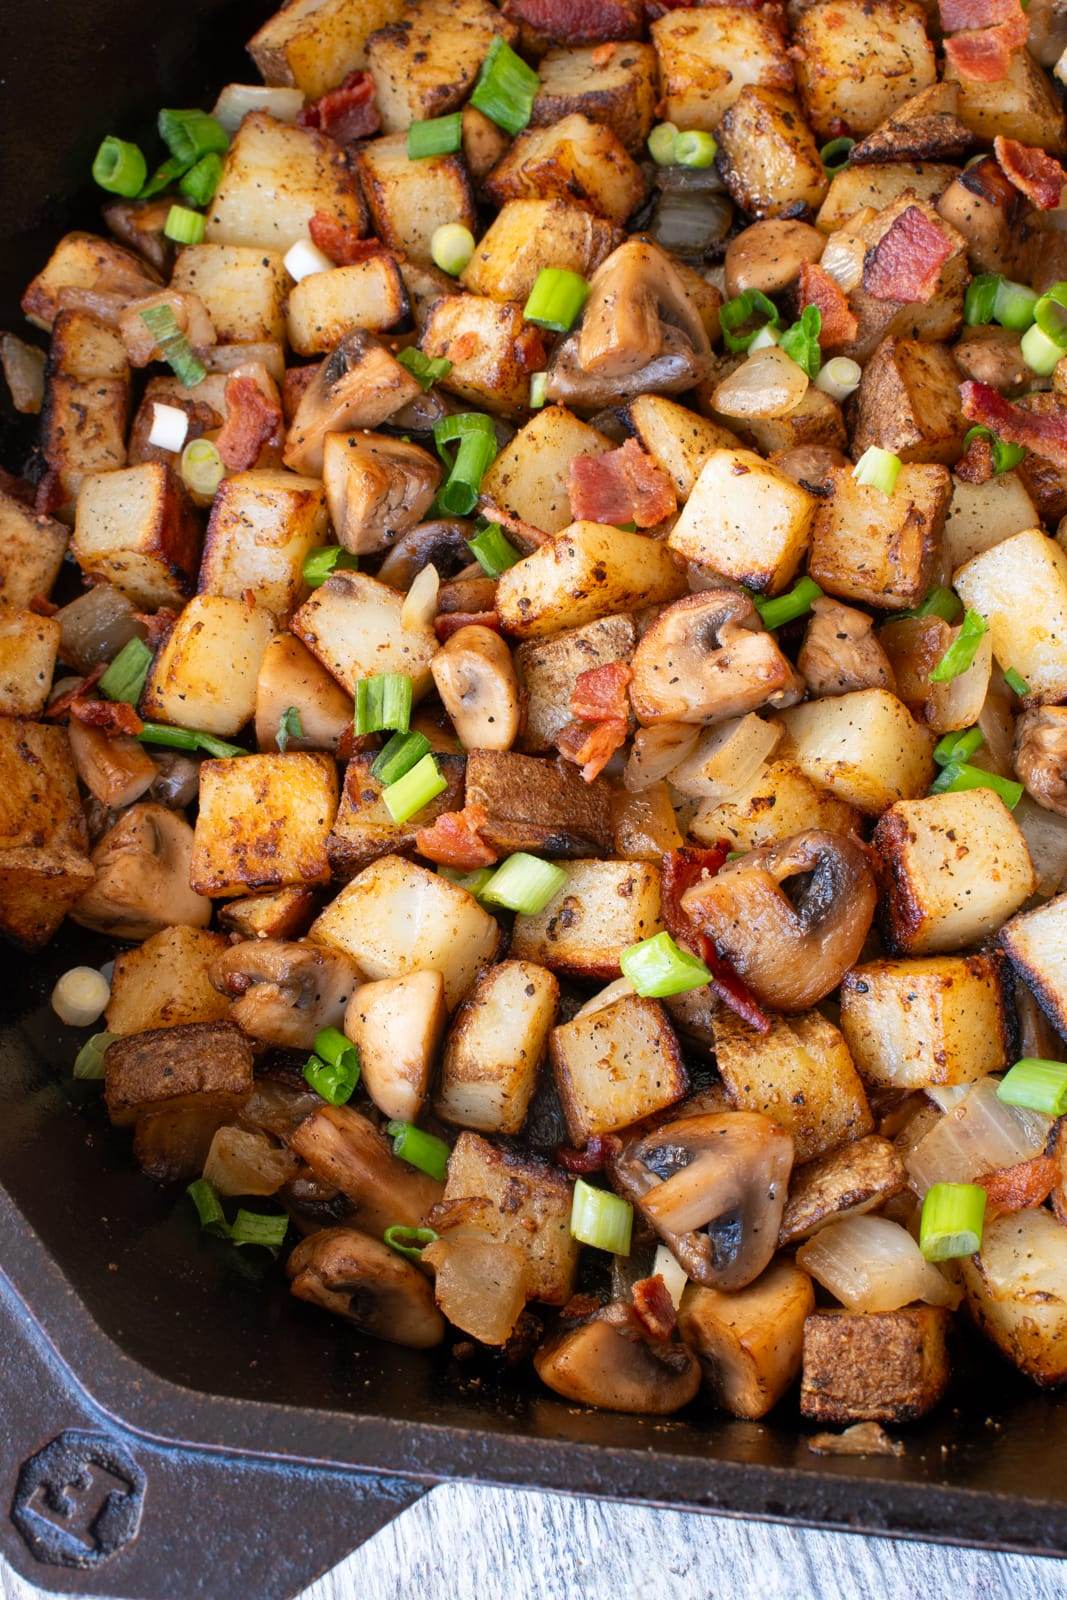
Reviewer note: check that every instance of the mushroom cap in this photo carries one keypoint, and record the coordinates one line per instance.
(284, 993)
(382, 488)
(707, 657)
(442, 544)
(359, 1278)
(596, 1364)
(142, 877)
(357, 386)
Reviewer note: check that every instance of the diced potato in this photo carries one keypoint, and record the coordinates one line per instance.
(800, 1074)
(409, 200)
(574, 159)
(847, 1182)
(746, 520)
(531, 1210)
(817, 420)
(526, 485)
(615, 1066)
(205, 675)
(84, 347)
(315, 44)
(981, 515)
(865, 747)
(707, 57)
(263, 822)
(136, 528)
(585, 572)
(539, 806)
(749, 1342)
(881, 549)
(908, 402)
(676, 438)
(31, 553)
(396, 1025)
(1021, 105)
(324, 306)
(290, 676)
(164, 982)
(396, 917)
(933, 1020)
(770, 161)
(604, 907)
(1036, 944)
(483, 145)
(85, 261)
(426, 64)
(242, 288)
(352, 624)
(493, 351)
(166, 1069)
(1015, 1292)
(957, 866)
(856, 188)
(856, 65)
(495, 1048)
(274, 178)
(550, 668)
(363, 829)
(778, 802)
(280, 914)
(616, 87)
(1020, 588)
(28, 648)
(878, 1366)
(43, 838)
(262, 526)
(83, 430)
(527, 235)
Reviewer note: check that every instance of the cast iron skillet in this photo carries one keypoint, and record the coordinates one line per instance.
(154, 1322)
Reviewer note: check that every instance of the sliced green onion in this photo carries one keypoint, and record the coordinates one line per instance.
(409, 794)
(657, 967)
(661, 143)
(1037, 1085)
(451, 247)
(1050, 315)
(538, 390)
(959, 746)
(1014, 680)
(188, 135)
(89, 1062)
(626, 527)
(952, 1218)
(291, 726)
(401, 753)
(162, 178)
(963, 649)
(801, 341)
(201, 181)
(383, 703)
(473, 882)
(124, 678)
(839, 378)
(763, 339)
(835, 154)
(120, 167)
(419, 1149)
(940, 602)
(440, 136)
(1014, 305)
(410, 1242)
(694, 149)
(208, 1208)
(333, 1071)
(184, 226)
(493, 552)
(980, 299)
(879, 468)
(601, 1218)
(421, 367)
(188, 739)
(959, 776)
(320, 563)
(221, 749)
(476, 435)
(176, 349)
(556, 299)
(787, 607)
(524, 883)
(1040, 352)
(255, 1227)
(506, 88)
(742, 317)
(1005, 455)
(201, 467)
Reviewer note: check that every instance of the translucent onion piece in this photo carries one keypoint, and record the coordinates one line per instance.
(645, 824)
(606, 997)
(238, 99)
(420, 602)
(769, 384)
(947, 1096)
(243, 1162)
(1045, 833)
(656, 751)
(480, 1282)
(726, 759)
(872, 1264)
(23, 366)
(227, 357)
(998, 730)
(691, 224)
(977, 1136)
(958, 703)
(667, 1266)
(95, 626)
(843, 258)
(80, 996)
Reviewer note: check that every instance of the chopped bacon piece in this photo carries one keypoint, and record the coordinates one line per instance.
(17, 488)
(252, 421)
(41, 606)
(591, 745)
(984, 54)
(680, 870)
(341, 241)
(49, 495)
(625, 485)
(600, 1152)
(1019, 1188)
(159, 626)
(957, 14)
(445, 626)
(579, 21)
(346, 113)
(296, 380)
(906, 262)
(452, 840)
(599, 693)
(60, 706)
(113, 717)
(654, 1307)
(976, 465)
(1044, 435)
(1034, 172)
(580, 1307)
(839, 323)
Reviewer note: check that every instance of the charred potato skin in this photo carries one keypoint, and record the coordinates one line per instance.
(539, 805)
(163, 1068)
(883, 1366)
(363, 830)
(620, 92)
(768, 158)
(1034, 943)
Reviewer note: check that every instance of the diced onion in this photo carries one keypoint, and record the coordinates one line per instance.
(95, 626)
(839, 377)
(617, 990)
(241, 1161)
(947, 1096)
(170, 424)
(978, 1136)
(765, 337)
(769, 384)
(872, 1264)
(238, 99)
(843, 257)
(23, 366)
(480, 1282)
(726, 759)
(80, 997)
(1045, 833)
(420, 602)
(304, 258)
(670, 1269)
(656, 751)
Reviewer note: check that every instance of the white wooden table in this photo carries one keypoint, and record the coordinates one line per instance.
(463, 1543)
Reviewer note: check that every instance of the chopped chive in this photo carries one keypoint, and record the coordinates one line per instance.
(383, 703)
(119, 167)
(787, 607)
(419, 1149)
(162, 178)
(940, 602)
(742, 318)
(879, 468)
(201, 181)
(188, 135)
(320, 563)
(959, 776)
(421, 367)
(694, 149)
(1014, 680)
(124, 678)
(333, 1071)
(835, 154)
(476, 437)
(657, 967)
(255, 1227)
(1037, 1085)
(959, 746)
(801, 341)
(493, 552)
(410, 1242)
(601, 1218)
(506, 88)
(291, 726)
(1005, 455)
(412, 792)
(184, 226)
(176, 349)
(438, 136)
(89, 1062)
(524, 883)
(952, 1219)
(208, 1208)
(980, 299)
(556, 299)
(963, 649)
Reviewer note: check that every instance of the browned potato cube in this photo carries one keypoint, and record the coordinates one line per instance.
(857, 188)
(262, 526)
(676, 438)
(352, 623)
(43, 838)
(526, 235)
(980, 515)
(925, 128)
(1036, 944)
(243, 289)
(857, 1178)
(541, 806)
(1028, 633)
(817, 420)
(493, 352)
(425, 65)
(136, 529)
(409, 200)
(616, 1065)
(324, 306)
(199, 1063)
(263, 822)
(575, 159)
(856, 65)
(865, 747)
(31, 553)
(1015, 1294)
(290, 676)
(746, 520)
(28, 648)
(205, 675)
(274, 179)
(281, 914)
(396, 1025)
(882, 1366)
(707, 57)
(778, 802)
(83, 430)
(315, 44)
(770, 161)
(531, 1209)
(1021, 105)
(550, 668)
(585, 572)
(749, 1342)
(363, 830)
(495, 1047)
(616, 87)
(164, 982)
(880, 548)
(908, 402)
(85, 261)
(526, 485)
(604, 907)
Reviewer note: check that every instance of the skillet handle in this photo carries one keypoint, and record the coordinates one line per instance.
(88, 1508)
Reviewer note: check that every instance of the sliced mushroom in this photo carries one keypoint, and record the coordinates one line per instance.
(791, 916)
(475, 678)
(344, 1149)
(438, 544)
(840, 652)
(810, 465)
(177, 781)
(1041, 755)
(358, 386)
(117, 771)
(994, 356)
(611, 1363)
(377, 487)
(707, 657)
(357, 1277)
(714, 1188)
(396, 1024)
(284, 993)
(142, 877)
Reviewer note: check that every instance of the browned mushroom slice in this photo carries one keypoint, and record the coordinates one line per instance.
(707, 657)
(610, 1362)
(1041, 755)
(438, 544)
(358, 386)
(791, 916)
(357, 1277)
(714, 1188)
(139, 224)
(475, 677)
(840, 652)
(346, 1150)
(284, 993)
(142, 877)
(377, 487)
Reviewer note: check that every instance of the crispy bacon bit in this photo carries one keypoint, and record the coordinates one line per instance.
(984, 54)
(113, 717)
(680, 869)
(1019, 1188)
(342, 241)
(580, 1307)
(976, 465)
(579, 21)
(1044, 435)
(60, 706)
(654, 1307)
(600, 1151)
(599, 694)
(346, 113)
(452, 840)
(445, 626)
(957, 14)
(1034, 172)
(296, 380)
(591, 745)
(17, 488)
(906, 262)
(625, 485)
(49, 495)
(41, 606)
(352, 743)
(839, 323)
(252, 421)
(159, 626)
